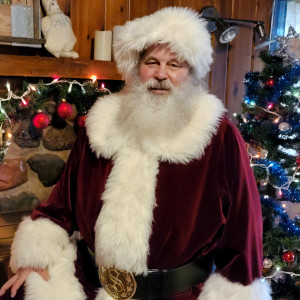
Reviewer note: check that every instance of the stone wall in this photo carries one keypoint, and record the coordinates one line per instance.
(33, 164)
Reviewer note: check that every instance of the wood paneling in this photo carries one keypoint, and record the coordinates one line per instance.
(218, 74)
(140, 8)
(87, 16)
(263, 13)
(5, 20)
(166, 3)
(239, 58)
(116, 13)
(65, 6)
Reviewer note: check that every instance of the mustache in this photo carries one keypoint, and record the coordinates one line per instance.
(159, 85)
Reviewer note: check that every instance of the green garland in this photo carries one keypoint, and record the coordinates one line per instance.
(39, 97)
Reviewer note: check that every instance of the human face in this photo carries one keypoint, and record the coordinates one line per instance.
(159, 63)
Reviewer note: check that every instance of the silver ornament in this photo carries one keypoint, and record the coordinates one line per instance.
(284, 46)
(267, 263)
(284, 127)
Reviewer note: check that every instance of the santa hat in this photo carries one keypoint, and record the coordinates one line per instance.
(181, 28)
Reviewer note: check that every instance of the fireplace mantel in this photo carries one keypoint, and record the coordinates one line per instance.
(36, 66)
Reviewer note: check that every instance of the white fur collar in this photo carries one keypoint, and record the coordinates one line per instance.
(124, 224)
(107, 137)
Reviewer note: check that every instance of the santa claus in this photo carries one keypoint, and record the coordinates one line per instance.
(159, 186)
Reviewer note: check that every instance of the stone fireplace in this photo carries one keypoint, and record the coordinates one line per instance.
(32, 166)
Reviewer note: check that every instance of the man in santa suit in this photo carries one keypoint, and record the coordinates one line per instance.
(159, 186)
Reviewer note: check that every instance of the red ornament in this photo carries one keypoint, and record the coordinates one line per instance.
(288, 256)
(81, 121)
(298, 161)
(270, 82)
(64, 110)
(40, 120)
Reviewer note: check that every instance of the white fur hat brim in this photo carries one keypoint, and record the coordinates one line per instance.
(181, 28)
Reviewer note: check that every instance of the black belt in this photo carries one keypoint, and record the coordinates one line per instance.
(161, 283)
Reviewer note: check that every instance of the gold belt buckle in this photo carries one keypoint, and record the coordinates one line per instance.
(118, 284)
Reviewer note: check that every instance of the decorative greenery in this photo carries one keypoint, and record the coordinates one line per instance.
(270, 125)
(45, 97)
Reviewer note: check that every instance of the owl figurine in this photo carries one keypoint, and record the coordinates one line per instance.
(57, 30)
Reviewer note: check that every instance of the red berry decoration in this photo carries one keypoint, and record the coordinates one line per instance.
(270, 82)
(64, 110)
(298, 161)
(81, 121)
(40, 120)
(288, 256)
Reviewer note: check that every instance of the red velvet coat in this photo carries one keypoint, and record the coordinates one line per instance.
(149, 199)
(209, 205)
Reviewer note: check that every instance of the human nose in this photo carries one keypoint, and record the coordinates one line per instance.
(160, 73)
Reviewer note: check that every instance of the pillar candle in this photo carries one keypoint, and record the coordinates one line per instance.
(102, 47)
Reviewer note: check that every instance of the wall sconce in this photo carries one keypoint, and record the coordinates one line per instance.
(260, 28)
(228, 33)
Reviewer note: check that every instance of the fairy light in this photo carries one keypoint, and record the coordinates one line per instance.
(24, 102)
(266, 180)
(277, 120)
(8, 86)
(94, 78)
(271, 112)
(55, 79)
(33, 88)
(279, 271)
(70, 88)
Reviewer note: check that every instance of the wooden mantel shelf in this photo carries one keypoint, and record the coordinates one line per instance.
(36, 66)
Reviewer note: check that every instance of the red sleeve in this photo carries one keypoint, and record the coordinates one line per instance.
(239, 254)
(59, 206)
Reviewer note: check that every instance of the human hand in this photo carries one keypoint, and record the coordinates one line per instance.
(18, 279)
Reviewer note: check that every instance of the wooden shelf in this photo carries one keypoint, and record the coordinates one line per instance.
(14, 39)
(36, 66)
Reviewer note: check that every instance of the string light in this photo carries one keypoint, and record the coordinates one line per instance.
(271, 167)
(29, 97)
(279, 271)
(94, 78)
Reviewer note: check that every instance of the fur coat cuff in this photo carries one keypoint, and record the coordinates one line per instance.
(218, 287)
(37, 244)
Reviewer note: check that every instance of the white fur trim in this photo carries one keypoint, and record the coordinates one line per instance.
(182, 28)
(218, 287)
(62, 283)
(124, 225)
(107, 136)
(37, 244)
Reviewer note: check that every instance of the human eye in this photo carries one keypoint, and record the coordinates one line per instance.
(174, 65)
(150, 62)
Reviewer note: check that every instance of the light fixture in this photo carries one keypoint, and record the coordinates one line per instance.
(213, 22)
(228, 33)
(260, 28)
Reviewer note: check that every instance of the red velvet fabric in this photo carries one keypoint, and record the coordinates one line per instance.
(210, 205)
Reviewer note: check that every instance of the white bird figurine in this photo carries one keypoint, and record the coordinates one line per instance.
(57, 30)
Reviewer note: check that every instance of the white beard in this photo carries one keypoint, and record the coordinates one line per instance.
(149, 115)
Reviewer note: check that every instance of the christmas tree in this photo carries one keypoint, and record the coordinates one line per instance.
(270, 125)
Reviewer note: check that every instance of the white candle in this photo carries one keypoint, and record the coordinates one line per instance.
(102, 47)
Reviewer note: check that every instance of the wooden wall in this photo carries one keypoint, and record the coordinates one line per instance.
(231, 61)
